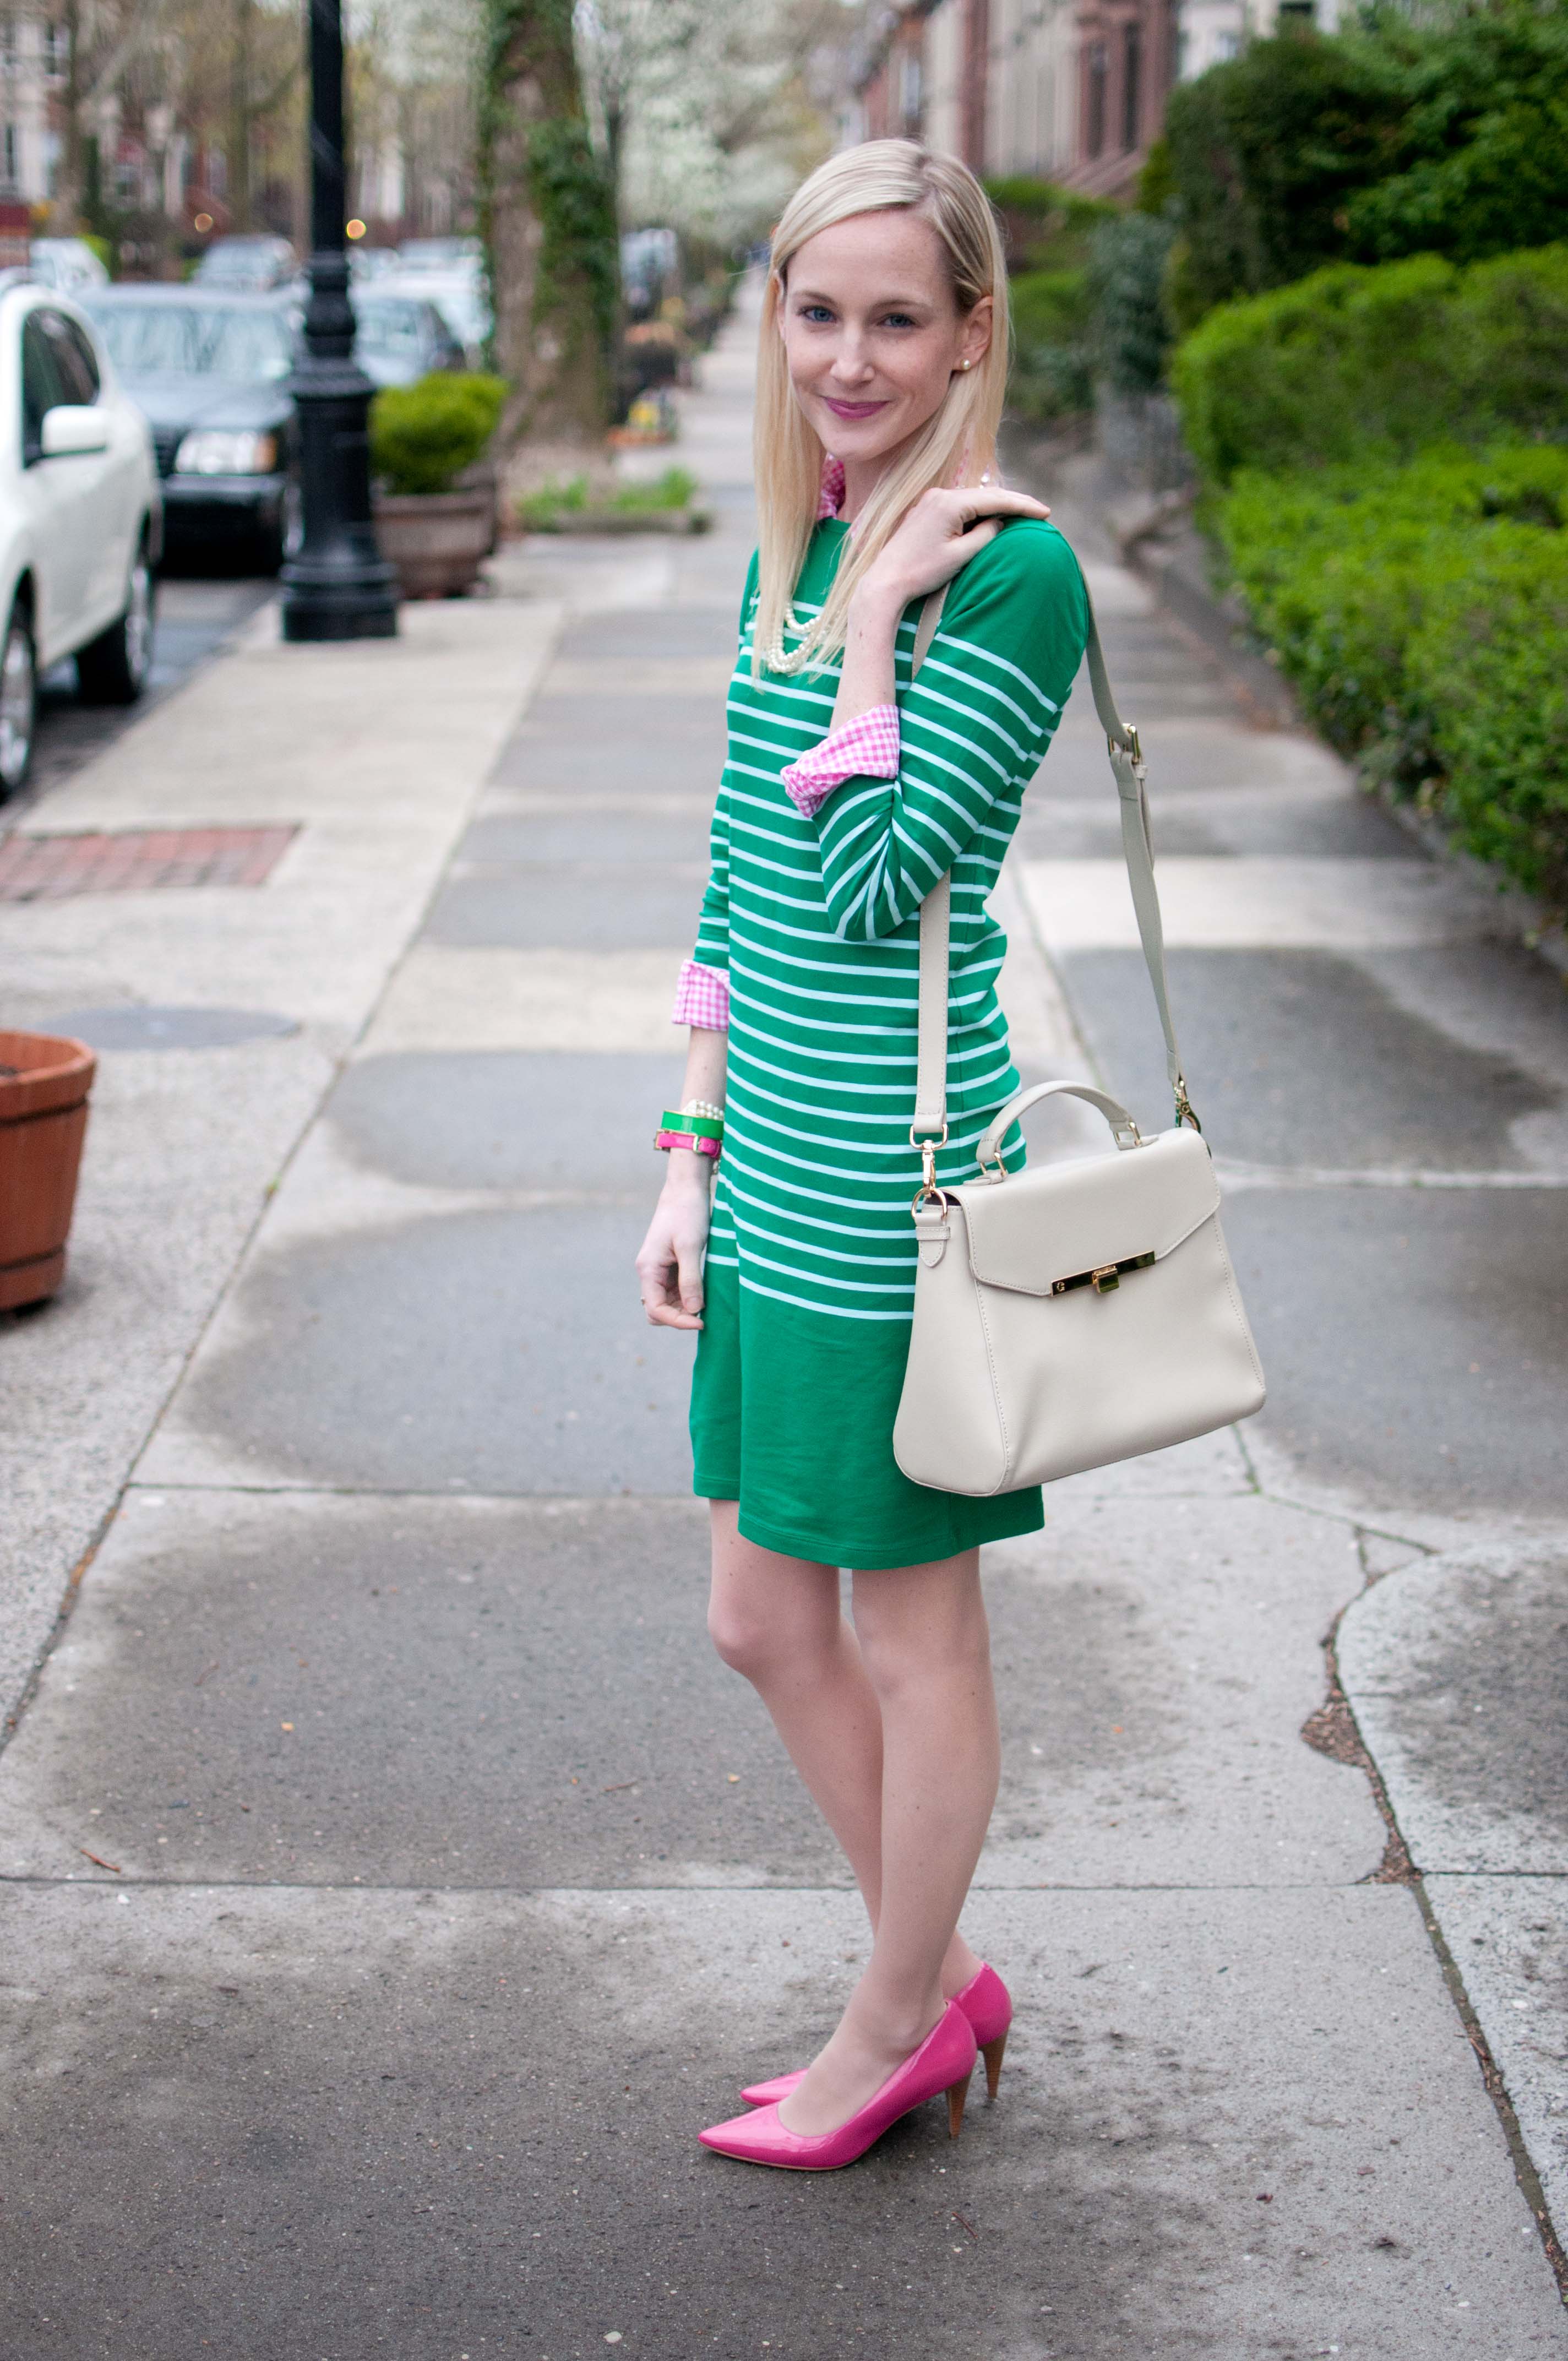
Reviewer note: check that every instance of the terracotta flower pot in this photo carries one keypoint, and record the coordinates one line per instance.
(44, 1082)
(437, 541)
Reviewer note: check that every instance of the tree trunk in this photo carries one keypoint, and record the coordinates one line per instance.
(70, 184)
(239, 199)
(547, 216)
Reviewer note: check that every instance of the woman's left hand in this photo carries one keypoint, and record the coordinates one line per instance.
(941, 532)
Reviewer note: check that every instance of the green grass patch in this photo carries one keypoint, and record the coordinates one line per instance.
(541, 510)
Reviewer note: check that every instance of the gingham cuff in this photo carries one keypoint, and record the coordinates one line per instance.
(866, 748)
(702, 997)
(830, 498)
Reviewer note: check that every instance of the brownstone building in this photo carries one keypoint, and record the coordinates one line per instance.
(1066, 89)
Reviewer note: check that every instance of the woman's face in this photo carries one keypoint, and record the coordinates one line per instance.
(872, 333)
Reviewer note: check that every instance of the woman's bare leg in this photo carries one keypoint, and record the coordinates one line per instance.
(777, 1619)
(925, 1650)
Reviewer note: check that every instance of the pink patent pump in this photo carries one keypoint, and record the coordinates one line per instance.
(944, 2062)
(985, 2000)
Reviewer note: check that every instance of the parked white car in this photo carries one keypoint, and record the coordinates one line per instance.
(80, 518)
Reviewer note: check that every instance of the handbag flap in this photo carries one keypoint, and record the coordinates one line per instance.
(1057, 1222)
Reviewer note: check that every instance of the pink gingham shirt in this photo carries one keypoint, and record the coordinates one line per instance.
(866, 748)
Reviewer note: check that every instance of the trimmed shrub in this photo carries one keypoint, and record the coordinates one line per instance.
(1486, 673)
(1392, 138)
(424, 436)
(1132, 337)
(1422, 611)
(1045, 227)
(1379, 361)
(1052, 339)
(1264, 153)
(1481, 162)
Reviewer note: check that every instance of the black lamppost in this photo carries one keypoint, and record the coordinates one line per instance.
(337, 586)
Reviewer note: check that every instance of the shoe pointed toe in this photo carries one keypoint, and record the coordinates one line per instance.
(763, 2094)
(944, 2062)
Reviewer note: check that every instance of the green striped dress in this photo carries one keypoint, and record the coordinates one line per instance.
(810, 1274)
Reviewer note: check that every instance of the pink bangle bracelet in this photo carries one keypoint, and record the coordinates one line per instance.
(685, 1139)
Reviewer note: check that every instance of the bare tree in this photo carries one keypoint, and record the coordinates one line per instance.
(102, 36)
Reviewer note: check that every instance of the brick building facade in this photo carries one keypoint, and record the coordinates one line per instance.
(1064, 90)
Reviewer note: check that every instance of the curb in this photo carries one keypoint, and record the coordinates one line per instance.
(1491, 1877)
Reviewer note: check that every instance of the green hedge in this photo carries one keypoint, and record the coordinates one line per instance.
(424, 436)
(1422, 611)
(1441, 131)
(1052, 337)
(1357, 361)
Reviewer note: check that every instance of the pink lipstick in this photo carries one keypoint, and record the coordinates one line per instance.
(853, 409)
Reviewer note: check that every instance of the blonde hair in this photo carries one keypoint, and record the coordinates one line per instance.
(957, 445)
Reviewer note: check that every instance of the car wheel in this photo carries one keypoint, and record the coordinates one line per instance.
(113, 668)
(18, 700)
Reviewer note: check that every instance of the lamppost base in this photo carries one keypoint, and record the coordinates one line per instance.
(360, 603)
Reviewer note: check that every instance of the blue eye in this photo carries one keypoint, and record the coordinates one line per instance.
(815, 312)
(898, 320)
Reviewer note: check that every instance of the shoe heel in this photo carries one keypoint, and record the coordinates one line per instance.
(956, 2097)
(991, 2052)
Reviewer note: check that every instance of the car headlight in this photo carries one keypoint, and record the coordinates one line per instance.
(220, 451)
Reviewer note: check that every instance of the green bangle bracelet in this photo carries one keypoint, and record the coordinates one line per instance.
(702, 1126)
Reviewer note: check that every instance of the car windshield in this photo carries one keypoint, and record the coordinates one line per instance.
(385, 326)
(194, 340)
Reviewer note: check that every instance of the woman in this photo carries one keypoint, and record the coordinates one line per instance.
(847, 794)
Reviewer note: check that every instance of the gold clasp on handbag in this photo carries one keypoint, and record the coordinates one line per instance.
(1132, 746)
(1104, 1277)
(928, 1190)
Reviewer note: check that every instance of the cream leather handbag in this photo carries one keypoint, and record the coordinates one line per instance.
(1076, 1313)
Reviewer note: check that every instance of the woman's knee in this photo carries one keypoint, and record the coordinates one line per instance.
(908, 1646)
(758, 1641)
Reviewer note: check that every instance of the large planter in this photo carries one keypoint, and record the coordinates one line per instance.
(438, 540)
(44, 1082)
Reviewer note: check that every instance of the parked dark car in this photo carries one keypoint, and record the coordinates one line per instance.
(210, 372)
(400, 337)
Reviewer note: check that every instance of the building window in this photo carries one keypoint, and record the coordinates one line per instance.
(1296, 13)
(1132, 84)
(1094, 126)
(1227, 45)
(910, 93)
(8, 155)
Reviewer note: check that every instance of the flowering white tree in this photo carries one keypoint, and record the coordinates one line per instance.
(706, 107)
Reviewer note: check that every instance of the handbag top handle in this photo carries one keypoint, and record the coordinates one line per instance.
(1128, 771)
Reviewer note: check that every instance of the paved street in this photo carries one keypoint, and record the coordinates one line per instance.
(393, 1881)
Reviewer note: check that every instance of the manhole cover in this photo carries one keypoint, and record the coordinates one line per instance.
(170, 1028)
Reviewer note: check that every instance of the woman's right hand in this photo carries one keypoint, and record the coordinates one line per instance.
(941, 532)
(669, 1260)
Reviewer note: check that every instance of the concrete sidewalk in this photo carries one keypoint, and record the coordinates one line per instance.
(455, 1883)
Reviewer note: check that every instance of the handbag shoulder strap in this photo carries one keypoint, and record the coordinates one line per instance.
(1128, 770)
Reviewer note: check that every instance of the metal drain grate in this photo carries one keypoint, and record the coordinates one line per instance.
(138, 861)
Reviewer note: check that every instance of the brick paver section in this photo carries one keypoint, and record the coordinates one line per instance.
(138, 861)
